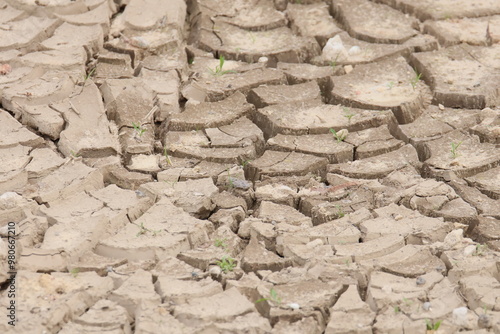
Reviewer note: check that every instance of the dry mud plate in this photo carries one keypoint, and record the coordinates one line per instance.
(249, 166)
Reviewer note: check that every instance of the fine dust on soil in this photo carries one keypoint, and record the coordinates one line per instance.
(249, 166)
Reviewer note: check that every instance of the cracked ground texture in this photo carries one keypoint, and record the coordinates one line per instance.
(250, 166)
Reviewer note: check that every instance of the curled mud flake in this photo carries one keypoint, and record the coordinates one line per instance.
(5, 69)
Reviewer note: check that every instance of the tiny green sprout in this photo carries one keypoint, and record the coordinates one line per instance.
(347, 262)
(414, 81)
(139, 129)
(87, 76)
(407, 301)
(221, 243)
(340, 136)
(73, 154)
(454, 147)
(252, 36)
(227, 264)
(333, 63)
(75, 272)
(190, 61)
(230, 179)
(348, 114)
(480, 249)
(167, 157)
(245, 162)
(273, 296)
(433, 326)
(397, 309)
(144, 230)
(218, 69)
(390, 85)
(340, 211)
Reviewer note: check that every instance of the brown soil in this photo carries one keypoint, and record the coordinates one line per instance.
(249, 166)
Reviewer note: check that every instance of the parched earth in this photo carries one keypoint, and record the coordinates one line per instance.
(246, 166)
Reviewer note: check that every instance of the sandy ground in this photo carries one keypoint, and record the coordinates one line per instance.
(222, 166)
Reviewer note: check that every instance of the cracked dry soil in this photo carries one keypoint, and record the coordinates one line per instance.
(249, 166)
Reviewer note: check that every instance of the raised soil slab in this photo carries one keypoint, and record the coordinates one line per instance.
(389, 84)
(279, 44)
(362, 52)
(460, 154)
(475, 31)
(445, 9)
(374, 23)
(264, 96)
(312, 117)
(457, 77)
(211, 114)
(320, 145)
(312, 20)
(378, 166)
(274, 163)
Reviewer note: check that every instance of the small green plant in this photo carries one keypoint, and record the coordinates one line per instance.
(273, 296)
(454, 148)
(333, 63)
(348, 114)
(75, 272)
(414, 81)
(227, 264)
(144, 230)
(252, 36)
(139, 129)
(88, 75)
(244, 163)
(74, 155)
(340, 211)
(167, 157)
(190, 61)
(230, 179)
(218, 69)
(397, 309)
(340, 136)
(390, 85)
(407, 301)
(433, 326)
(480, 250)
(221, 243)
(348, 262)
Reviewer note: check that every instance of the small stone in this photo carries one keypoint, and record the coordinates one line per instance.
(294, 306)
(215, 271)
(5, 69)
(483, 321)
(348, 69)
(469, 250)
(426, 306)
(239, 183)
(460, 316)
(263, 60)
(440, 106)
(354, 50)
(420, 281)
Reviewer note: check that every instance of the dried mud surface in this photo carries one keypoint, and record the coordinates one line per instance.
(249, 166)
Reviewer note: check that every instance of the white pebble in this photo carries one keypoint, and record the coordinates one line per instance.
(354, 50)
